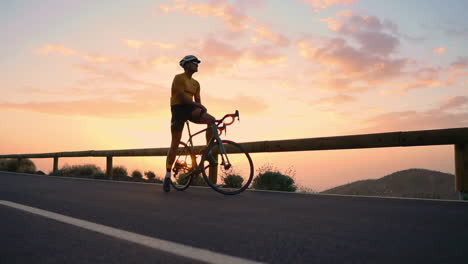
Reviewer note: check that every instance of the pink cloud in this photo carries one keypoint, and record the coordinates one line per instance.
(461, 63)
(452, 112)
(349, 64)
(455, 102)
(364, 56)
(370, 32)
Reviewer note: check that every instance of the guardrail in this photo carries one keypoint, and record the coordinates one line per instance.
(453, 136)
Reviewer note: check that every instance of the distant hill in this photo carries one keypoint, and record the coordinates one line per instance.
(416, 183)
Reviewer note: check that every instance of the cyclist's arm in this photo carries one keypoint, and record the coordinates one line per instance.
(183, 98)
(197, 96)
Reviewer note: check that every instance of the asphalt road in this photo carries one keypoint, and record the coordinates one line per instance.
(259, 226)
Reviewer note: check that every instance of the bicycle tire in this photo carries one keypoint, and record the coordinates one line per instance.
(242, 168)
(184, 164)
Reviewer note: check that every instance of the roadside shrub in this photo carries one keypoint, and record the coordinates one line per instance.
(151, 176)
(25, 165)
(40, 172)
(196, 181)
(79, 171)
(137, 175)
(270, 178)
(2, 164)
(120, 173)
(233, 181)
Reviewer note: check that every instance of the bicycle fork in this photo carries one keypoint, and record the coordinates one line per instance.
(222, 151)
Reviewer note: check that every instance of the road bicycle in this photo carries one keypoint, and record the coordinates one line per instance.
(225, 165)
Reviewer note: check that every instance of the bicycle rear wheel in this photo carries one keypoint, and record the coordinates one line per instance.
(185, 163)
(234, 168)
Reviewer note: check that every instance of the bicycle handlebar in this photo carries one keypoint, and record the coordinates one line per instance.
(232, 116)
(223, 127)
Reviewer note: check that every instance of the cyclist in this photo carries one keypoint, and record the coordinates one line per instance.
(183, 107)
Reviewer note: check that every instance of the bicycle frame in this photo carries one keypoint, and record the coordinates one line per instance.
(216, 139)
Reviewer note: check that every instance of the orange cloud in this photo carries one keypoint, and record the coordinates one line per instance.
(323, 4)
(231, 17)
(245, 104)
(99, 76)
(335, 100)
(139, 44)
(101, 59)
(440, 50)
(265, 33)
(55, 49)
(124, 103)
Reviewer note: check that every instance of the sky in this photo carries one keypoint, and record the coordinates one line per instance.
(96, 75)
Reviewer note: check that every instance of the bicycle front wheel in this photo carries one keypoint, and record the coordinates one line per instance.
(185, 163)
(231, 170)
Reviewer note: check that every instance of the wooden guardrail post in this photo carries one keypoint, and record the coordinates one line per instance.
(109, 167)
(55, 169)
(461, 170)
(213, 171)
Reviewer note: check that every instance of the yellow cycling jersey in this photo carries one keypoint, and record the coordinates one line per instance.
(183, 84)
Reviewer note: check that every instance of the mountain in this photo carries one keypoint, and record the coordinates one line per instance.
(416, 183)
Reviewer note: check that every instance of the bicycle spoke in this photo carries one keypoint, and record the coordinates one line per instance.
(234, 168)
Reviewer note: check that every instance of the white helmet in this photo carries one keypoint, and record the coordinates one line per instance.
(188, 58)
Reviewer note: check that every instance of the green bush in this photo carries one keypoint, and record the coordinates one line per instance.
(120, 173)
(196, 181)
(270, 178)
(25, 165)
(8, 164)
(137, 175)
(233, 181)
(79, 171)
(151, 176)
(3, 165)
(40, 172)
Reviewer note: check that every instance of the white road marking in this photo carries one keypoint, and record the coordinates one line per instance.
(159, 244)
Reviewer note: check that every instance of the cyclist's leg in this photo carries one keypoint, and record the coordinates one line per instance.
(177, 126)
(203, 118)
(200, 117)
(171, 154)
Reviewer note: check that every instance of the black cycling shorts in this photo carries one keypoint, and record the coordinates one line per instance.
(180, 114)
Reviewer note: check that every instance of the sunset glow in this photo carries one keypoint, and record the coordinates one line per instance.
(97, 75)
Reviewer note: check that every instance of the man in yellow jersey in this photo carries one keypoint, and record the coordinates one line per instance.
(183, 107)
